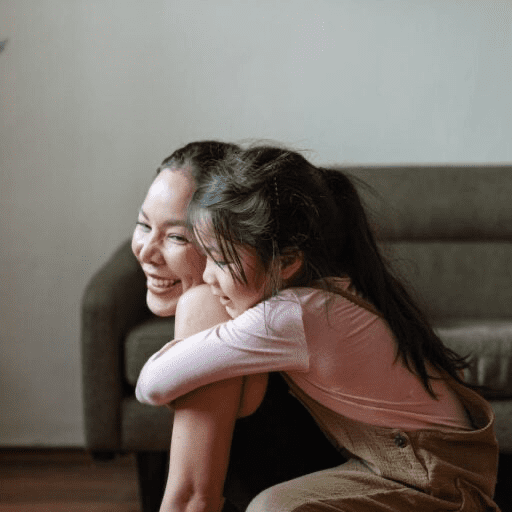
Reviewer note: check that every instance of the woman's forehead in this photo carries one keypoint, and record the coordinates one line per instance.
(173, 187)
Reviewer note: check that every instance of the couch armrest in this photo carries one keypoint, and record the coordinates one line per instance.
(113, 301)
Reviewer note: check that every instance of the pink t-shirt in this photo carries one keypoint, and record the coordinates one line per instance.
(336, 352)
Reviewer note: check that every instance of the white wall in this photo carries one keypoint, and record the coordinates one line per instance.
(94, 94)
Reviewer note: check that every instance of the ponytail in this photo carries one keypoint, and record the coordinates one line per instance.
(373, 279)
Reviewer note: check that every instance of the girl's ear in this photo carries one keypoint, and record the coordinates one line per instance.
(291, 264)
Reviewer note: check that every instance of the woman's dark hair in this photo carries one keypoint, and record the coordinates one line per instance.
(199, 157)
(278, 203)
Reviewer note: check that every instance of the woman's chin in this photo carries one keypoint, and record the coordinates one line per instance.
(163, 305)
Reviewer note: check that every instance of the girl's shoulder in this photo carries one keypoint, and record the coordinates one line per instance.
(289, 305)
(302, 298)
(326, 290)
(332, 289)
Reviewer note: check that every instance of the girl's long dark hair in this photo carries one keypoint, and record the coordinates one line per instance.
(275, 201)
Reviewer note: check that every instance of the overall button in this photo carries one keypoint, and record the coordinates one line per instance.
(400, 441)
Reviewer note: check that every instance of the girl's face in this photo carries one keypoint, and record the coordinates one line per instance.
(163, 244)
(234, 295)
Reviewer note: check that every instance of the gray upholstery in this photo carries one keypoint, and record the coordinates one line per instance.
(113, 303)
(440, 202)
(446, 229)
(143, 341)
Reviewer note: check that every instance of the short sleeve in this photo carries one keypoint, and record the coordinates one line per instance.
(268, 337)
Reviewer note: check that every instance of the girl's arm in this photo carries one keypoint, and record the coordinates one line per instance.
(268, 337)
(204, 419)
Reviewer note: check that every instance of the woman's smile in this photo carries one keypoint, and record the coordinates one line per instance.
(160, 285)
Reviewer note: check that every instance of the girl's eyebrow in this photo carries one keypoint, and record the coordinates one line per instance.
(170, 222)
(209, 249)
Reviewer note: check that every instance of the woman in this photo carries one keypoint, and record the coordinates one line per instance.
(163, 244)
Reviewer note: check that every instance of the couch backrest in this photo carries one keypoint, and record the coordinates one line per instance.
(447, 230)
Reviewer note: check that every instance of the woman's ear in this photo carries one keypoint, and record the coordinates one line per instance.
(291, 264)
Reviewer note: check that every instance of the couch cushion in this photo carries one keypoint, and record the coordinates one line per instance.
(456, 279)
(144, 427)
(143, 341)
(440, 202)
(489, 345)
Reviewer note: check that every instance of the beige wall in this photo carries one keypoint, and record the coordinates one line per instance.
(93, 94)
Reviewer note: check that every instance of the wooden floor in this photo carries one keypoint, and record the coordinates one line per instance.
(69, 481)
(66, 481)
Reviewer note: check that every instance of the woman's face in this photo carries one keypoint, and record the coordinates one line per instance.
(163, 244)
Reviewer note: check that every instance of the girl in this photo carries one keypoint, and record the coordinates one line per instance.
(291, 257)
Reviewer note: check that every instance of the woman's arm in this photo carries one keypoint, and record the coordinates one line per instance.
(200, 446)
(204, 419)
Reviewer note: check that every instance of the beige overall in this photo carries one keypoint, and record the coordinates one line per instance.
(396, 471)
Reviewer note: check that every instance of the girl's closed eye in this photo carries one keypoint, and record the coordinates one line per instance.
(219, 262)
(215, 256)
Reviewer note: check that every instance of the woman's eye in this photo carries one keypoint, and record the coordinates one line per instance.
(178, 238)
(143, 225)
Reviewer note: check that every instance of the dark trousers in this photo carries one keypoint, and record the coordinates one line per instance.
(280, 441)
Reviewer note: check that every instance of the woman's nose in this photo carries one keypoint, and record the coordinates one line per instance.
(150, 251)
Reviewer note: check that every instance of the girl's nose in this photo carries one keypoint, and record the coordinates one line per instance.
(208, 274)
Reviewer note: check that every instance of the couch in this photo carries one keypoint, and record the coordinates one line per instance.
(447, 231)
